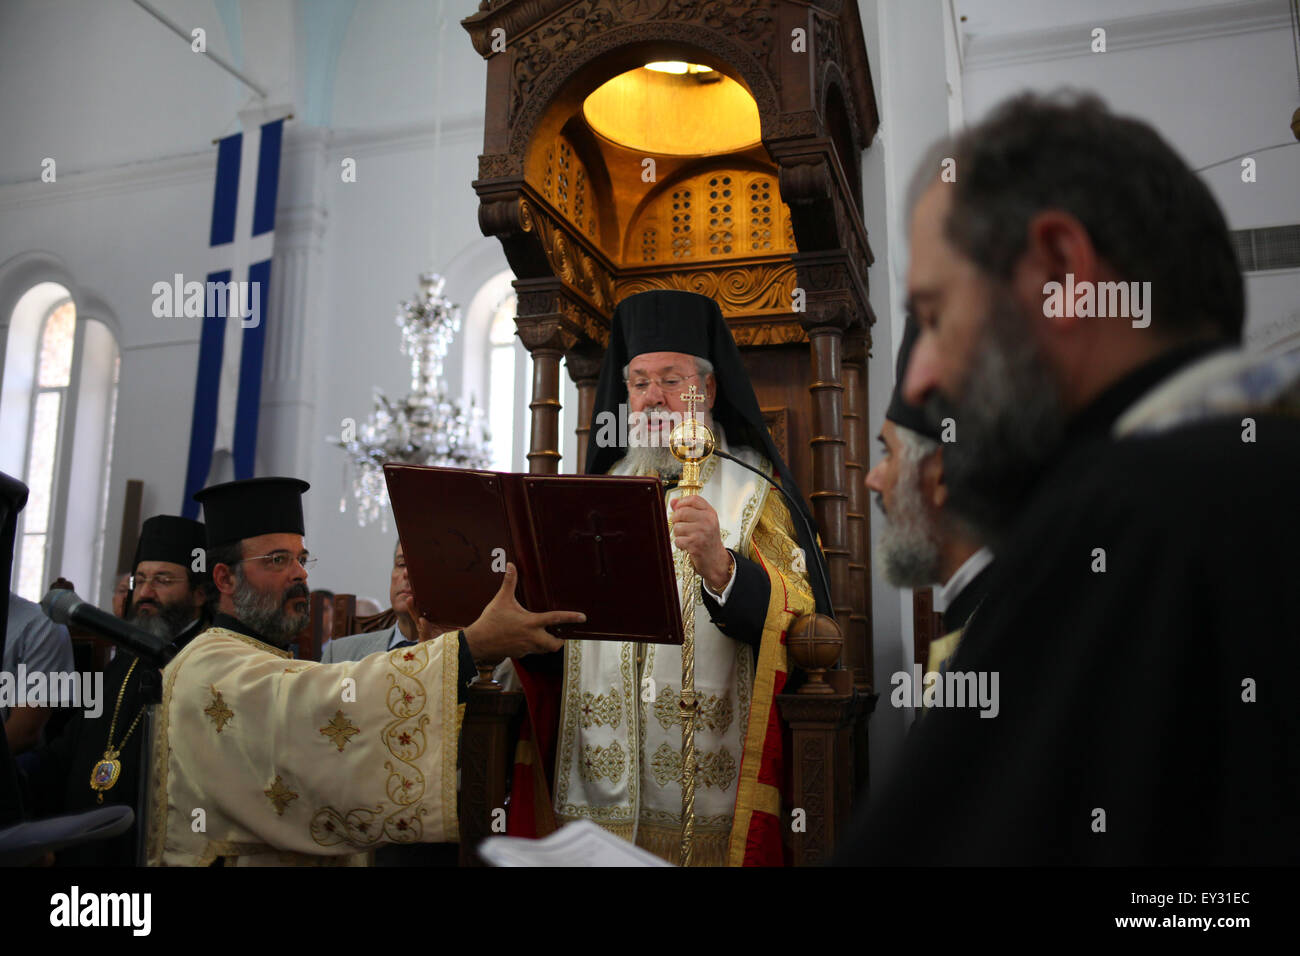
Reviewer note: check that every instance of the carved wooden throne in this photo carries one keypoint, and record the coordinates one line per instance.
(737, 176)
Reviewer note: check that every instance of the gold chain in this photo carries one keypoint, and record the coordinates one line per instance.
(111, 753)
(112, 726)
(121, 694)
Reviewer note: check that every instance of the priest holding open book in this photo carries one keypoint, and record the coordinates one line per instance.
(260, 759)
(619, 748)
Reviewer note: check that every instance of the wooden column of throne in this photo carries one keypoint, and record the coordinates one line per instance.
(750, 193)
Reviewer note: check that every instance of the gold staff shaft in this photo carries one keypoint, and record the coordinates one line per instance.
(690, 483)
(692, 444)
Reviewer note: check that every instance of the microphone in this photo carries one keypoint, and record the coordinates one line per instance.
(64, 607)
(822, 584)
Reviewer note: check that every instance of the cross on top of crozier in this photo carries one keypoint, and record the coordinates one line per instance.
(691, 398)
(691, 443)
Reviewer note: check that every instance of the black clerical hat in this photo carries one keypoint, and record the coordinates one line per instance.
(667, 321)
(169, 538)
(900, 411)
(254, 506)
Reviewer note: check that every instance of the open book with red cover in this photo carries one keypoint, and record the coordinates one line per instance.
(595, 544)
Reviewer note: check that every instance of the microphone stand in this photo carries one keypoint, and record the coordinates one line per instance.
(151, 697)
(822, 582)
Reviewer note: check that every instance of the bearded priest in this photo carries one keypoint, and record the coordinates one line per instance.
(98, 760)
(262, 759)
(619, 747)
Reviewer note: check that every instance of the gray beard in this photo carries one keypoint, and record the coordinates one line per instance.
(642, 460)
(647, 459)
(264, 611)
(908, 549)
(167, 623)
(1009, 418)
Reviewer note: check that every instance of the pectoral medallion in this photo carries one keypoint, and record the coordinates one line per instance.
(104, 776)
(105, 773)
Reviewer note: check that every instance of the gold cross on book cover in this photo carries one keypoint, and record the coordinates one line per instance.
(596, 544)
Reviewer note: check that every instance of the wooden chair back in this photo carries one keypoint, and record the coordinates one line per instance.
(927, 624)
(346, 620)
(343, 621)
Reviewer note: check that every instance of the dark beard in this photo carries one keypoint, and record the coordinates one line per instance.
(167, 622)
(1009, 422)
(264, 611)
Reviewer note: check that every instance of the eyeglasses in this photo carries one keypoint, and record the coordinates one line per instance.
(641, 383)
(159, 581)
(279, 560)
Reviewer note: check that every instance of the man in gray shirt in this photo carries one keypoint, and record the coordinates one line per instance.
(33, 640)
(402, 634)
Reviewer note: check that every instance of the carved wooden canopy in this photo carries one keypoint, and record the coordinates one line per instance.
(583, 225)
(712, 146)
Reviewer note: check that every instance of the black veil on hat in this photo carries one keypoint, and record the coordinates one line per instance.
(900, 411)
(664, 320)
(236, 510)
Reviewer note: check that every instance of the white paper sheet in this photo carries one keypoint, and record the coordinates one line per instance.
(577, 844)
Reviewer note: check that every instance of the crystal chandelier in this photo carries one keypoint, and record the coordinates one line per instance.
(426, 427)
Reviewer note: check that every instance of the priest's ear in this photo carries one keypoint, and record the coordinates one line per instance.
(934, 490)
(223, 577)
(224, 572)
(710, 390)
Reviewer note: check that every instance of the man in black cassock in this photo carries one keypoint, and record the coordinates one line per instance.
(1137, 473)
(169, 599)
(924, 543)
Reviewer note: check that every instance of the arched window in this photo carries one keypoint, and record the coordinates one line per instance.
(60, 400)
(510, 370)
(506, 377)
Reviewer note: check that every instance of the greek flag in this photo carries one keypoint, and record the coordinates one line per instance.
(228, 386)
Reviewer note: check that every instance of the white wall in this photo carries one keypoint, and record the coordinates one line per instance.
(1216, 81)
(129, 112)
(905, 45)
(379, 239)
(97, 85)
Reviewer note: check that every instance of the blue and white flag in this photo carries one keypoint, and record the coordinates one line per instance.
(228, 386)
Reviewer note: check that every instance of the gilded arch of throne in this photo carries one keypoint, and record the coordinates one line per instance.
(602, 178)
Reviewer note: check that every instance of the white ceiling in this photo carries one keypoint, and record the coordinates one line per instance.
(984, 18)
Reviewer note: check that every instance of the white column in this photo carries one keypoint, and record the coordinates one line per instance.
(291, 365)
(908, 50)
